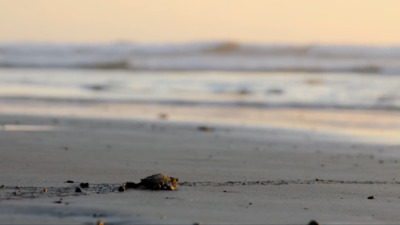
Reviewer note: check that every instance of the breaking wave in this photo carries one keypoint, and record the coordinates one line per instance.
(226, 56)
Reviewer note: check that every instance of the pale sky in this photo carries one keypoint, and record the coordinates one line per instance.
(363, 22)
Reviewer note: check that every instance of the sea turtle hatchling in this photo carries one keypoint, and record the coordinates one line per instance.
(155, 182)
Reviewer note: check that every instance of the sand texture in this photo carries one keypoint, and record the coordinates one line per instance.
(227, 175)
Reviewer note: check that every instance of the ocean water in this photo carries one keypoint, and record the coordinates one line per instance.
(211, 88)
(339, 88)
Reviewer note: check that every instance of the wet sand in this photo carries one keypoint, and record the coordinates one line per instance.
(232, 174)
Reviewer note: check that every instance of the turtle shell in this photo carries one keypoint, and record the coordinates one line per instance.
(159, 182)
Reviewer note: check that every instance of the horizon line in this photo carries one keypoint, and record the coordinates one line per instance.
(216, 41)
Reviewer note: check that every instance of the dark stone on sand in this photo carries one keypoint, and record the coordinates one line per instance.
(313, 222)
(78, 190)
(243, 91)
(59, 201)
(97, 215)
(205, 128)
(163, 116)
(69, 181)
(371, 197)
(97, 87)
(84, 185)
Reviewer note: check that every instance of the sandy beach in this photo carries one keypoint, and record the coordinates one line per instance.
(231, 175)
(240, 112)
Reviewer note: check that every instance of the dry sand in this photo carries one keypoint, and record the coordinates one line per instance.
(232, 175)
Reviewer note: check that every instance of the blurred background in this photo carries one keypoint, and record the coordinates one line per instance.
(310, 64)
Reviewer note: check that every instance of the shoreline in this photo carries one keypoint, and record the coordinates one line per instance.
(218, 170)
(374, 126)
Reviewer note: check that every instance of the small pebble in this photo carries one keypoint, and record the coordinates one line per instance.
(78, 190)
(84, 185)
(243, 92)
(70, 181)
(275, 91)
(205, 128)
(313, 222)
(371, 197)
(59, 201)
(96, 215)
(163, 116)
